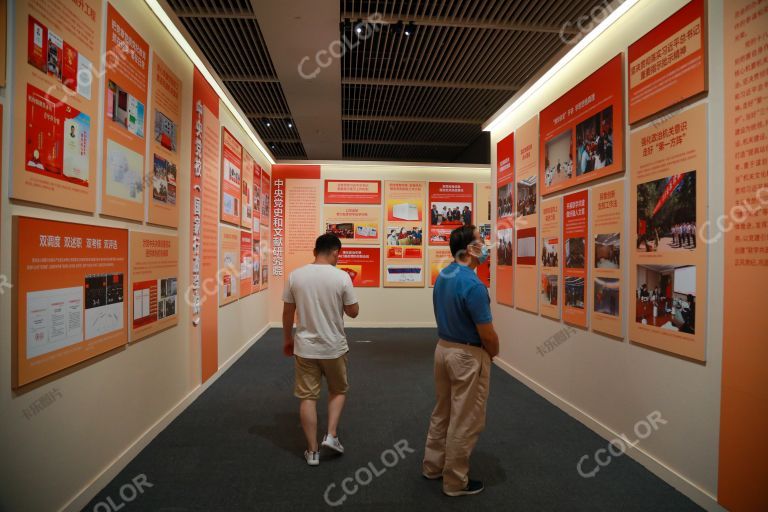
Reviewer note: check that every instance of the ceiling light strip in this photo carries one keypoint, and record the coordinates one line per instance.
(585, 41)
(157, 9)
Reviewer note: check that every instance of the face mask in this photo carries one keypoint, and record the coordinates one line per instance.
(484, 253)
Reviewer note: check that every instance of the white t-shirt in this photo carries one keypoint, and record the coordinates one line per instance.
(320, 293)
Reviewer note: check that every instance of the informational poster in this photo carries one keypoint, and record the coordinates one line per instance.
(353, 224)
(125, 101)
(246, 263)
(69, 295)
(439, 258)
(744, 390)
(297, 198)
(56, 101)
(266, 194)
(581, 134)
(404, 234)
(264, 249)
(229, 265)
(527, 213)
(204, 225)
(607, 207)
(668, 64)
(231, 177)
(483, 220)
(668, 209)
(575, 253)
(352, 192)
(154, 293)
(163, 168)
(506, 212)
(256, 259)
(450, 206)
(550, 295)
(246, 188)
(257, 199)
(363, 264)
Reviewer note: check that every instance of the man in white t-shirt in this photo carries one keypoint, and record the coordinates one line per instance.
(320, 293)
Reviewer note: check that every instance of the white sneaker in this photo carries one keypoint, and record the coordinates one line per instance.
(333, 443)
(313, 458)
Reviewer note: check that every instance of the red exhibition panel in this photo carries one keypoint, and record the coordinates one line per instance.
(363, 264)
(581, 134)
(575, 247)
(352, 192)
(450, 207)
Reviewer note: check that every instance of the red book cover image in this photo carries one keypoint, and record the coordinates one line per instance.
(57, 139)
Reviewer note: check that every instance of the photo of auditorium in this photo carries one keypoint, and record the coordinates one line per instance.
(608, 250)
(526, 196)
(558, 160)
(574, 292)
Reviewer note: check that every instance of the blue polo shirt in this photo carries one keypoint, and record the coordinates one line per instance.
(461, 301)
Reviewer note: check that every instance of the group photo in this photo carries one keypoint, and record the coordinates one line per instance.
(504, 247)
(451, 214)
(666, 297)
(594, 142)
(666, 214)
(558, 159)
(574, 253)
(526, 196)
(504, 202)
(399, 235)
(549, 251)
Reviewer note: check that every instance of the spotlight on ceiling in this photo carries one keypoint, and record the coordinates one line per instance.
(410, 28)
(267, 123)
(359, 26)
(290, 124)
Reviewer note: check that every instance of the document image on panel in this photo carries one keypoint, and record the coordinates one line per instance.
(54, 320)
(103, 304)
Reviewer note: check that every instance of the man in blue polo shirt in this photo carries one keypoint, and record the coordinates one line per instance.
(463, 356)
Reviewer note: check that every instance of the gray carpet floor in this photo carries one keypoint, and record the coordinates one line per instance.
(239, 446)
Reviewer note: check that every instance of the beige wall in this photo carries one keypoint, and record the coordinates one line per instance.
(111, 407)
(612, 384)
(389, 307)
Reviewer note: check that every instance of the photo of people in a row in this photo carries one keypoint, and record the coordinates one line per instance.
(445, 214)
(404, 236)
(666, 297)
(666, 214)
(594, 142)
(504, 203)
(608, 250)
(574, 253)
(558, 159)
(342, 230)
(549, 250)
(526, 196)
(504, 247)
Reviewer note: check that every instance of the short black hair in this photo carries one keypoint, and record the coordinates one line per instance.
(327, 243)
(461, 238)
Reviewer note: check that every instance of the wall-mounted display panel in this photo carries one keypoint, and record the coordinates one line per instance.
(404, 234)
(451, 206)
(154, 293)
(506, 212)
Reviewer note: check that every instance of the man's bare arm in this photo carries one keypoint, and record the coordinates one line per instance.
(289, 312)
(352, 310)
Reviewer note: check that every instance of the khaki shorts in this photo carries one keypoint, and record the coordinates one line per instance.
(309, 374)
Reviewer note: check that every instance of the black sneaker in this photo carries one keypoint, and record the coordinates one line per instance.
(473, 487)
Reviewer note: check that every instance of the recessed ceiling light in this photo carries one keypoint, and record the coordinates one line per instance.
(410, 28)
(290, 124)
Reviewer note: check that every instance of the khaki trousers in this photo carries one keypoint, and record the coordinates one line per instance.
(462, 378)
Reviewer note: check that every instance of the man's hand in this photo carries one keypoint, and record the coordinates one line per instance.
(289, 311)
(288, 348)
(489, 338)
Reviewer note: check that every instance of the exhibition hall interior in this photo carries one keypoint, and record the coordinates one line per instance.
(379, 255)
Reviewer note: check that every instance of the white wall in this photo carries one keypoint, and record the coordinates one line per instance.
(611, 384)
(110, 407)
(389, 307)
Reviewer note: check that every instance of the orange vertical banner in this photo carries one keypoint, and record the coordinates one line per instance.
(204, 225)
(505, 219)
(123, 184)
(607, 236)
(527, 215)
(744, 411)
(575, 256)
(551, 257)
